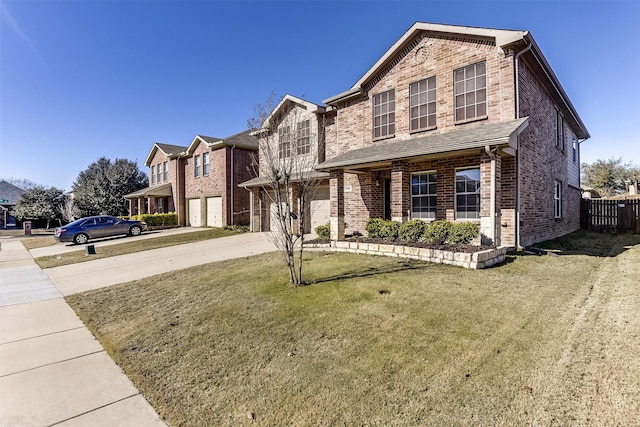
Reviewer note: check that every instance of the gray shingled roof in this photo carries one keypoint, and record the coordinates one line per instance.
(244, 139)
(10, 192)
(262, 181)
(171, 149)
(457, 140)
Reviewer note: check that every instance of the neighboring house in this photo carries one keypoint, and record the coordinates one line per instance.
(9, 196)
(198, 182)
(457, 123)
(291, 139)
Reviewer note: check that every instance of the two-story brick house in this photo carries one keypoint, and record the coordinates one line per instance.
(199, 182)
(291, 139)
(457, 123)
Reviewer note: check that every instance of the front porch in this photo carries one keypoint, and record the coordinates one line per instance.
(150, 200)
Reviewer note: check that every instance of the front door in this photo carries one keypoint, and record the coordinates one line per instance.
(387, 199)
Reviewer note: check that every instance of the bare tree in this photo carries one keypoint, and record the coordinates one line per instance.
(69, 210)
(289, 139)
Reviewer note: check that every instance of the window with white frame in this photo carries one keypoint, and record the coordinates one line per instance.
(205, 164)
(158, 173)
(384, 114)
(574, 147)
(422, 104)
(423, 195)
(557, 199)
(559, 130)
(284, 142)
(470, 92)
(303, 140)
(165, 171)
(468, 193)
(153, 174)
(196, 166)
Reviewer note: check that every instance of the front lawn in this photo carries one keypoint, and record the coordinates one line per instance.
(383, 341)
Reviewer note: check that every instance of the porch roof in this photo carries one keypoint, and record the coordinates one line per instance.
(262, 181)
(493, 134)
(159, 190)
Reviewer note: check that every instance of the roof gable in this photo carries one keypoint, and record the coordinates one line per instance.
(168, 150)
(286, 102)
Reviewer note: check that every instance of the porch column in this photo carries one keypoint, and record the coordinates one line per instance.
(152, 205)
(140, 205)
(336, 204)
(490, 209)
(400, 191)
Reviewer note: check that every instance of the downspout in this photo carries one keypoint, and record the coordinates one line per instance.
(232, 185)
(492, 200)
(517, 114)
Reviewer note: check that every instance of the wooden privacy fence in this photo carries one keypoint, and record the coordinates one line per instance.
(614, 216)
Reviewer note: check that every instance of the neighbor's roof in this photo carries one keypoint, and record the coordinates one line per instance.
(159, 190)
(10, 193)
(493, 134)
(240, 140)
(168, 150)
(516, 39)
(262, 181)
(290, 99)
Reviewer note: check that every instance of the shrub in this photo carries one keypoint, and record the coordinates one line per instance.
(323, 231)
(438, 232)
(463, 232)
(381, 228)
(412, 231)
(373, 227)
(158, 220)
(238, 228)
(390, 229)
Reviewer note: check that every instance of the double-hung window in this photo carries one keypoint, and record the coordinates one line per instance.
(303, 140)
(158, 173)
(574, 147)
(205, 164)
(468, 193)
(165, 171)
(559, 131)
(470, 92)
(284, 142)
(423, 195)
(153, 174)
(196, 166)
(384, 114)
(422, 104)
(557, 199)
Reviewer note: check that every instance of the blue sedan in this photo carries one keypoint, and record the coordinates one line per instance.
(94, 227)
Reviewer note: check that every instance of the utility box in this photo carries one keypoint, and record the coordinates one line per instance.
(27, 228)
(89, 250)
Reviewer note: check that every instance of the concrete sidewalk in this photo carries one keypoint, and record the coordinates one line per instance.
(52, 370)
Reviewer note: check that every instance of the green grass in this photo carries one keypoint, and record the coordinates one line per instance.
(374, 341)
(131, 246)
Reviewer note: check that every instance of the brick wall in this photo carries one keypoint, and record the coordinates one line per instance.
(541, 163)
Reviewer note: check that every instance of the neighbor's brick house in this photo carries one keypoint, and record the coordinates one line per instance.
(457, 123)
(292, 138)
(199, 182)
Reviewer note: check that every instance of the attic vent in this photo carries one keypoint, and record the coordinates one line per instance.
(415, 42)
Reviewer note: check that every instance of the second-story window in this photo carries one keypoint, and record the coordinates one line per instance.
(165, 171)
(559, 131)
(422, 104)
(159, 173)
(574, 146)
(153, 174)
(196, 166)
(284, 142)
(384, 114)
(205, 164)
(303, 141)
(470, 92)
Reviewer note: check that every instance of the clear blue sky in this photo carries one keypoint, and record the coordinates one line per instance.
(80, 80)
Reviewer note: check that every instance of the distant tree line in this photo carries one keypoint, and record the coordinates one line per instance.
(98, 190)
(609, 177)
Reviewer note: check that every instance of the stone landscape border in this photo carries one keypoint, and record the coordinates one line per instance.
(473, 260)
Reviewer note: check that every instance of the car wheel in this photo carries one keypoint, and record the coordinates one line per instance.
(135, 230)
(80, 239)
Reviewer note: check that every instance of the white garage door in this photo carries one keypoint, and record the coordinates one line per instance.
(320, 208)
(214, 211)
(195, 213)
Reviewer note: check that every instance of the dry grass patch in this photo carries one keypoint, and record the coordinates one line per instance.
(129, 246)
(374, 341)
